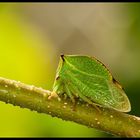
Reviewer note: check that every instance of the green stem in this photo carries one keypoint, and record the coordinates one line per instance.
(31, 97)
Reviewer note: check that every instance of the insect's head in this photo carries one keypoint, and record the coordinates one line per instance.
(60, 65)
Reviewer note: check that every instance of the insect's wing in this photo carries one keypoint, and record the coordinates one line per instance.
(118, 100)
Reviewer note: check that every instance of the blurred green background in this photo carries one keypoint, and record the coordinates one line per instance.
(32, 37)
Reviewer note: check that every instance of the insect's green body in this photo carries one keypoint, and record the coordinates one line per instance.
(88, 79)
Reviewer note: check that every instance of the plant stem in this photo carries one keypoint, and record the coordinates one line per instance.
(33, 98)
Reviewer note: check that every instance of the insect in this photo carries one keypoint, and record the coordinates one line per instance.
(87, 78)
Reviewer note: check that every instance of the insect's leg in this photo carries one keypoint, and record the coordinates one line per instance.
(84, 97)
(74, 95)
(69, 93)
(89, 101)
(57, 89)
(73, 90)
